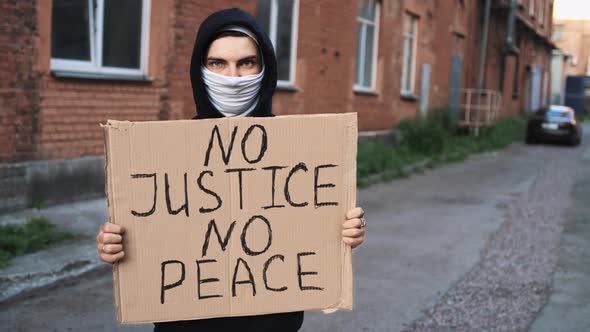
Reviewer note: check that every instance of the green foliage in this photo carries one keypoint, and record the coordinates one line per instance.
(36, 204)
(384, 159)
(431, 138)
(35, 235)
(427, 134)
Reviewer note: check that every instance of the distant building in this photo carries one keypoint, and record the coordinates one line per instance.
(559, 61)
(573, 38)
(69, 65)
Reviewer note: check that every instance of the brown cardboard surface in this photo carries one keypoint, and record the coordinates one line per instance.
(275, 259)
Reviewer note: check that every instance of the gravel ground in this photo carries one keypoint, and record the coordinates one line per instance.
(512, 282)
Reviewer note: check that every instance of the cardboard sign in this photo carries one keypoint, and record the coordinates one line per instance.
(231, 217)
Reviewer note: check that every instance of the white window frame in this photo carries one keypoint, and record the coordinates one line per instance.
(93, 68)
(532, 8)
(272, 34)
(412, 70)
(362, 43)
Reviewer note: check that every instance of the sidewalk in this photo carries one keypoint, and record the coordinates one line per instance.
(61, 261)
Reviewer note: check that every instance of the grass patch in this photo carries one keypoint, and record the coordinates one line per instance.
(36, 234)
(431, 138)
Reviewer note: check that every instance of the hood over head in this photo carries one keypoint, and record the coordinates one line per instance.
(208, 30)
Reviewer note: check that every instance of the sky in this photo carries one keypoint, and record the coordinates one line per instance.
(571, 9)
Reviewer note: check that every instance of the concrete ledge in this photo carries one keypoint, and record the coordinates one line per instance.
(48, 182)
(60, 261)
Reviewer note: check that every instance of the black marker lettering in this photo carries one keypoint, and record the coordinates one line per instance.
(164, 287)
(274, 175)
(265, 272)
(239, 171)
(263, 144)
(208, 191)
(316, 186)
(153, 209)
(245, 246)
(300, 273)
(204, 281)
(224, 155)
(300, 166)
(249, 281)
(223, 244)
(169, 204)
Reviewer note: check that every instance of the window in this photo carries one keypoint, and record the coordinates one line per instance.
(279, 19)
(532, 8)
(409, 59)
(558, 32)
(100, 38)
(366, 49)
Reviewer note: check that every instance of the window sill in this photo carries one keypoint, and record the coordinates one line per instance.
(286, 87)
(101, 76)
(408, 96)
(365, 92)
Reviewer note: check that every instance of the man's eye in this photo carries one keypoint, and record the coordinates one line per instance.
(248, 63)
(215, 64)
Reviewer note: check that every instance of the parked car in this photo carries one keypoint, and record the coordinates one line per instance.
(555, 123)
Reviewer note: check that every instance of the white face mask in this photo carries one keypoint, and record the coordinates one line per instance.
(232, 96)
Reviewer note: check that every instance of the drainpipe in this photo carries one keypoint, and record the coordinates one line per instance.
(509, 48)
(510, 26)
(482, 60)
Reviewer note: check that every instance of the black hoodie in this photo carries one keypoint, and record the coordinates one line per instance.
(208, 30)
(284, 322)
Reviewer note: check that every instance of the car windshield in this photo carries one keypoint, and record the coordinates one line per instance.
(556, 113)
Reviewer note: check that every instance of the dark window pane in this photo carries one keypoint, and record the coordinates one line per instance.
(263, 14)
(283, 42)
(70, 38)
(358, 64)
(409, 63)
(366, 9)
(122, 33)
(369, 39)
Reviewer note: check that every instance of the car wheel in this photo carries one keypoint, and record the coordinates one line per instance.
(530, 138)
(573, 140)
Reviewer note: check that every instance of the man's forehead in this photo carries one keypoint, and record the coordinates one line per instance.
(231, 46)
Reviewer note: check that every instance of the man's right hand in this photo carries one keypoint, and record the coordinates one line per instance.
(109, 242)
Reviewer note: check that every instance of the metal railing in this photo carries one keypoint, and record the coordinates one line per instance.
(479, 108)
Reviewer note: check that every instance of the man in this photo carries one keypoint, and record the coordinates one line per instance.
(233, 73)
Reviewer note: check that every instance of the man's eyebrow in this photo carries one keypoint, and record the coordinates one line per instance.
(251, 57)
(215, 59)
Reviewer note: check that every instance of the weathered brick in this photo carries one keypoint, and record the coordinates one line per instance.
(42, 116)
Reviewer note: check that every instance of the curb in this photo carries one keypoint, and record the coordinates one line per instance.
(46, 268)
(379, 177)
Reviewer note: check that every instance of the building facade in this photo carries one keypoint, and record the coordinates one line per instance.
(69, 65)
(573, 38)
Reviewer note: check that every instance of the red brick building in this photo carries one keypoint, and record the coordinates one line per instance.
(573, 38)
(67, 66)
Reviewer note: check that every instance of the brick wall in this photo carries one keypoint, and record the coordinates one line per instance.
(574, 41)
(19, 79)
(44, 117)
(72, 109)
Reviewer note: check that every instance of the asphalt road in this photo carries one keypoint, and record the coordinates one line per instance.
(427, 235)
